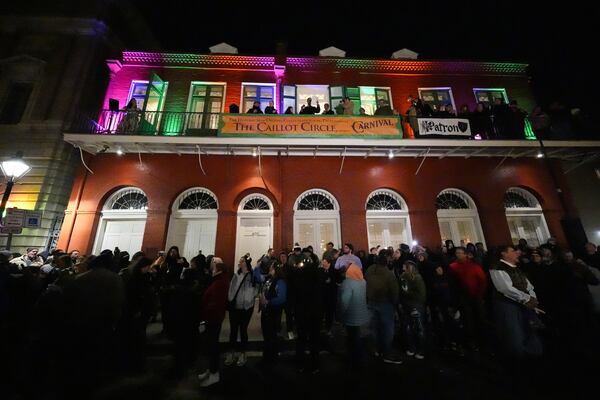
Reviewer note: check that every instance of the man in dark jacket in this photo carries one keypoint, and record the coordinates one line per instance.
(212, 311)
(308, 286)
(383, 108)
(309, 109)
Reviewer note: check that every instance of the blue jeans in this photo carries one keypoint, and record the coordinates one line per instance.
(414, 328)
(382, 325)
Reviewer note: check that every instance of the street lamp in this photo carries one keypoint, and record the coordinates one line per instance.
(13, 169)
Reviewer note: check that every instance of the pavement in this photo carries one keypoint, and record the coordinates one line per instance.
(441, 375)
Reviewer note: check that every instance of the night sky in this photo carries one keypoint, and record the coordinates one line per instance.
(556, 40)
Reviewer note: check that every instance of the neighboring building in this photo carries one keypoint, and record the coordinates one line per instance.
(51, 66)
(166, 175)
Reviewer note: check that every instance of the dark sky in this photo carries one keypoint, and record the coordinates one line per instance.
(555, 39)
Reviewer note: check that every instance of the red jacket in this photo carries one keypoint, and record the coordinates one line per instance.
(470, 277)
(214, 300)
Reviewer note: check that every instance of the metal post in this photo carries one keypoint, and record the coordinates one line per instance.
(9, 186)
(9, 241)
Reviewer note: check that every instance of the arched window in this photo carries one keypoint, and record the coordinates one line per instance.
(193, 222)
(254, 226)
(525, 217)
(388, 223)
(127, 199)
(123, 221)
(458, 217)
(198, 199)
(316, 220)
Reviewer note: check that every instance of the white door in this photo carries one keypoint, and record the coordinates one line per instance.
(459, 229)
(127, 235)
(317, 233)
(528, 228)
(254, 237)
(193, 235)
(387, 233)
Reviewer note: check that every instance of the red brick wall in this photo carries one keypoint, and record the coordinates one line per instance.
(164, 177)
(179, 80)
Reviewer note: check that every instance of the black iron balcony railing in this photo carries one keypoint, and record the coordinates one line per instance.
(147, 123)
(167, 123)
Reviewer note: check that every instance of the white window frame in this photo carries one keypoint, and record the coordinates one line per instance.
(318, 215)
(254, 214)
(108, 214)
(456, 215)
(448, 88)
(503, 90)
(177, 214)
(275, 98)
(298, 105)
(537, 212)
(389, 215)
(130, 94)
(388, 88)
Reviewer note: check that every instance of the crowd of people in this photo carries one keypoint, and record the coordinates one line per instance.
(88, 315)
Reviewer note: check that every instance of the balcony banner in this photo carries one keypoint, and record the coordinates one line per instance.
(240, 125)
(444, 127)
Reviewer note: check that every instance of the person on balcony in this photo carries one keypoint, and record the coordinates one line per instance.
(255, 109)
(481, 124)
(383, 108)
(270, 109)
(309, 108)
(348, 106)
(130, 122)
(289, 110)
(362, 111)
(339, 109)
(327, 110)
(501, 119)
(517, 121)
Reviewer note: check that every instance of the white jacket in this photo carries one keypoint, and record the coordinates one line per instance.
(247, 295)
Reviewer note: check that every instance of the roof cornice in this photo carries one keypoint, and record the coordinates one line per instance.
(318, 63)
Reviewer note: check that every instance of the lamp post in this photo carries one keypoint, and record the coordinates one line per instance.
(12, 169)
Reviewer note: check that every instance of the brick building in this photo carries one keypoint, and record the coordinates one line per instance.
(177, 178)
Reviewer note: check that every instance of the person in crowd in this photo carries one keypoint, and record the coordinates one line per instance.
(362, 111)
(309, 108)
(348, 257)
(591, 255)
(362, 256)
(372, 257)
(242, 292)
(29, 259)
(464, 112)
(327, 110)
(170, 268)
(212, 312)
(480, 254)
(383, 108)
(516, 121)
(545, 276)
(515, 307)
(348, 106)
(339, 109)
(234, 109)
(74, 254)
(311, 253)
(131, 120)
(540, 123)
(449, 251)
(481, 123)
(289, 110)
(413, 298)
(255, 108)
(382, 298)
(501, 119)
(471, 288)
(328, 253)
(330, 293)
(450, 113)
(132, 326)
(270, 109)
(354, 313)
(272, 299)
(308, 287)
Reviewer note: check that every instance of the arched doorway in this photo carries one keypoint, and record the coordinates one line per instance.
(123, 221)
(317, 220)
(193, 223)
(458, 217)
(388, 223)
(525, 217)
(254, 226)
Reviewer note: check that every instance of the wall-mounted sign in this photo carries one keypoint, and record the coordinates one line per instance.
(14, 218)
(309, 126)
(33, 219)
(444, 127)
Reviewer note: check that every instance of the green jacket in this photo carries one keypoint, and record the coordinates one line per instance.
(382, 286)
(413, 290)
